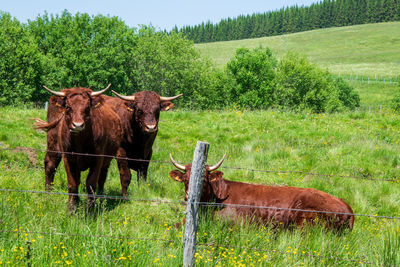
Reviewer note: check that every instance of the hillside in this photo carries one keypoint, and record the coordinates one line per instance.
(369, 49)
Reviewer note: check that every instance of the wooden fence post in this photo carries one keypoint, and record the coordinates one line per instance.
(192, 208)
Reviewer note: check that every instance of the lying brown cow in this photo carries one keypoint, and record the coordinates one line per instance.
(280, 199)
(87, 126)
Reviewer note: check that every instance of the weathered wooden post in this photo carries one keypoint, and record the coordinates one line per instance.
(192, 208)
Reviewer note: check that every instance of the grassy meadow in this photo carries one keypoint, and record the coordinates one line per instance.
(369, 49)
(350, 155)
(36, 229)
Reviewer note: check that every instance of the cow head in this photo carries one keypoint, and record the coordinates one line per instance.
(77, 103)
(214, 186)
(146, 106)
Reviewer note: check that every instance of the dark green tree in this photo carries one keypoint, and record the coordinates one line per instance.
(20, 63)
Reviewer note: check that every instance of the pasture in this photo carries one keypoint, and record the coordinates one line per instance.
(349, 155)
(369, 49)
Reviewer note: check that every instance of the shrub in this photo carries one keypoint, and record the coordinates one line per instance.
(253, 73)
(300, 85)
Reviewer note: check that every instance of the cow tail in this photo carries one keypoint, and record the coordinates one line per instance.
(42, 125)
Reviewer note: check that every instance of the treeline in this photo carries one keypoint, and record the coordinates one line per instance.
(324, 14)
(65, 51)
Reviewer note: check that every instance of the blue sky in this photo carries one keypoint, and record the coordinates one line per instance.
(163, 14)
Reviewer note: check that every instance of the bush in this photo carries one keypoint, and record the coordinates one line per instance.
(253, 73)
(301, 85)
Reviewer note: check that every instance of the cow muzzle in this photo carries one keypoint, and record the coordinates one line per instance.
(77, 127)
(151, 128)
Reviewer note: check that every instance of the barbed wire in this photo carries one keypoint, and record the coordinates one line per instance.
(365, 177)
(163, 201)
(209, 204)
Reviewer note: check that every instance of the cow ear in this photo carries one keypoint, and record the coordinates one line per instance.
(58, 101)
(176, 175)
(129, 106)
(218, 184)
(166, 105)
(97, 101)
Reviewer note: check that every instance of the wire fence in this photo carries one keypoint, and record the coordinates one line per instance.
(387, 80)
(363, 177)
(206, 204)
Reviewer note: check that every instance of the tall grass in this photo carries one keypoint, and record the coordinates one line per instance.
(36, 229)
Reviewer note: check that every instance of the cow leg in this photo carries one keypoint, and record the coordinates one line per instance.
(124, 171)
(103, 176)
(51, 162)
(92, 180)
(142, 174)
(143, 166)
(74, 179)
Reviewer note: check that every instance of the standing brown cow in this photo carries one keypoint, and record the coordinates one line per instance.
(280, 199)
(87, 126)
(54, 114)
(139, 115)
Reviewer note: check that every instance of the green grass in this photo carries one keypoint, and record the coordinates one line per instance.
(361, 143)
(369, 49)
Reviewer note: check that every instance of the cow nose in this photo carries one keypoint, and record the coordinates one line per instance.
(77, 126)
(151, 128)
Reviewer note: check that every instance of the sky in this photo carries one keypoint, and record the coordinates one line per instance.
(162, 14)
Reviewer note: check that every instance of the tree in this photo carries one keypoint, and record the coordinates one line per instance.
(85, 51)
(20, 64)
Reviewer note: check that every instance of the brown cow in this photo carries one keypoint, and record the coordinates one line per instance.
(86, 127)
(282, 198)
(54, 114)
(139, 115)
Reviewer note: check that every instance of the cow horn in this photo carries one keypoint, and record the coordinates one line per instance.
(101, 91)
(163, 98)
(54, 92)
(216, 166)
(129, 98)
(176, 164)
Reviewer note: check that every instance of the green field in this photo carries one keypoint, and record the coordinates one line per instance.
(36, 229)
(370, 49)
(350, 155)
